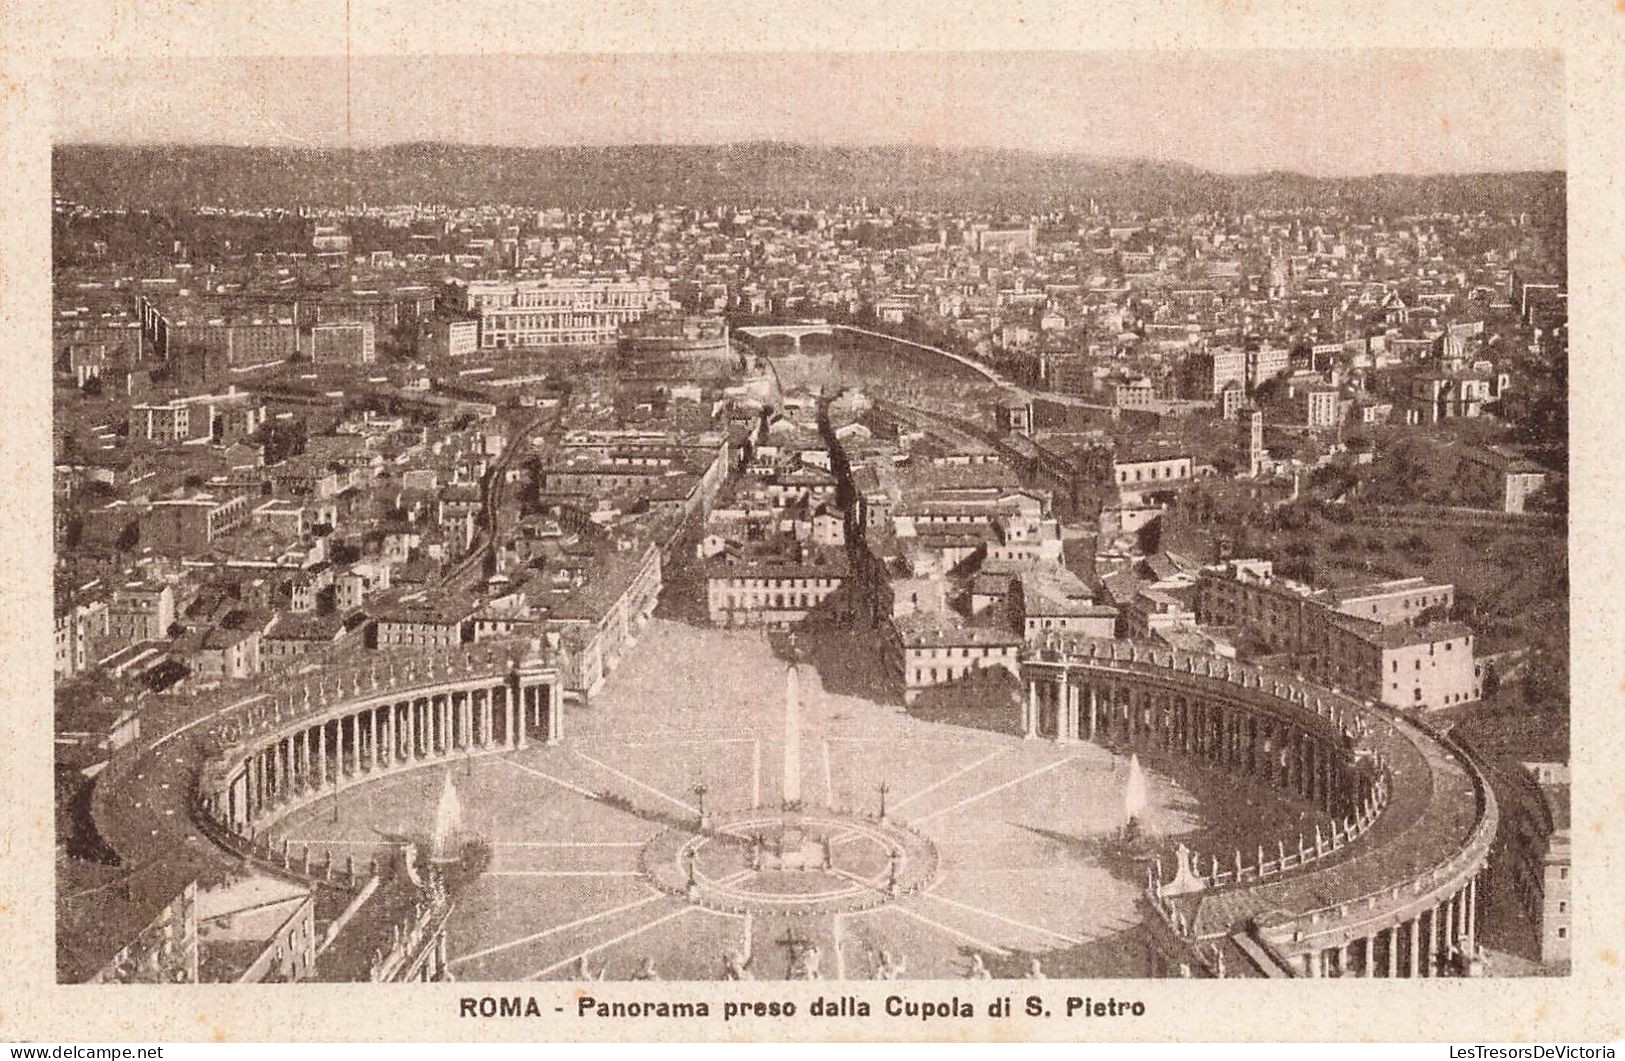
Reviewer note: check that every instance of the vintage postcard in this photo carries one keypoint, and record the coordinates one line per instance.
(964, 531)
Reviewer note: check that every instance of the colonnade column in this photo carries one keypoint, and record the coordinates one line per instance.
(1063, 711)
(390, 737)
(1469, 923)
(252, 786)
(1029, 715)
(1325, 799)
(339, 766)
(256, 783)
(1433, 942)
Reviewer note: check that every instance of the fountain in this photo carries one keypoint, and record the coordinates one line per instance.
(1130, 841)
(448, 820)
(1134, 794)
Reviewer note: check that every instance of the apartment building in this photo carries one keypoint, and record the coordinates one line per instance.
(1384, 641)
(929, 648)
(184, 525)
(775, 591)
(1539, 855)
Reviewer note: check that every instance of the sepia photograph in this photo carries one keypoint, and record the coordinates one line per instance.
(972, 536)
(560, 518)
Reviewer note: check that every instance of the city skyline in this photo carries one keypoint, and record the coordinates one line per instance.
(1229, 112)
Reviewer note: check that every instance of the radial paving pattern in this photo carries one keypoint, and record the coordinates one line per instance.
(992, 840)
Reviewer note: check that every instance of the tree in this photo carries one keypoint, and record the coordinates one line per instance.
(1436, 614)
(1545, 419)
(282, 439)
(1550, 498)
(1291, 517)
(1299, 569)
(1417, 548)
(1269, 390)
(1332, 480)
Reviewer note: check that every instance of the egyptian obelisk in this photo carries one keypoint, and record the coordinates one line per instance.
(792, 736)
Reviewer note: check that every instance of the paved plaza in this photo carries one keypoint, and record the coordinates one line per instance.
(996, 844)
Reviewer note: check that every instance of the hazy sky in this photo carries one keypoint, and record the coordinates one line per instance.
(1316, 112)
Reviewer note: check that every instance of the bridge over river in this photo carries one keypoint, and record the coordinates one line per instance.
(797, 331)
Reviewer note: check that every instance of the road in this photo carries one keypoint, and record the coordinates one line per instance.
(471, 568)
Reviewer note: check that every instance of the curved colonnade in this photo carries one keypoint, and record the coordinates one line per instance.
(310, 745)
(1389, 887)
(186, 805)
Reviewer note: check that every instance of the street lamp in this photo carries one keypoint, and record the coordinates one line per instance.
(884, 788)
(699, 791)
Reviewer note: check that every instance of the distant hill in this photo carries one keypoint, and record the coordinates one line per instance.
(160, 176)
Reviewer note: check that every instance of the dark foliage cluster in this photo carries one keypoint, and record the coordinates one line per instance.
(176, 176)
